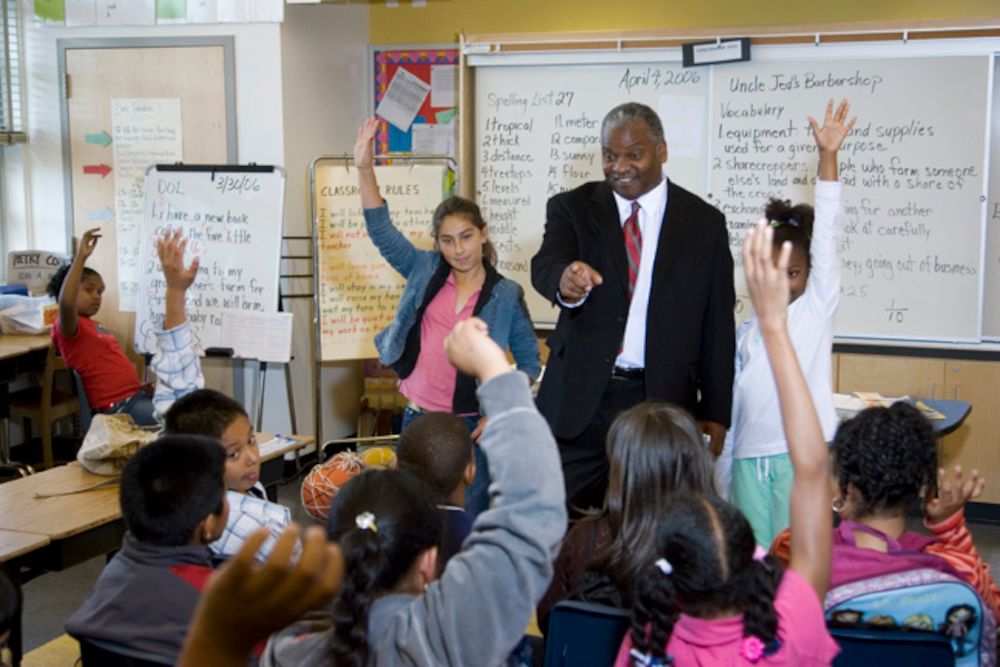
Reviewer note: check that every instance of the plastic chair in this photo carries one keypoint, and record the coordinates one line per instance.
(584, 635)
(86, 413)
(44, 404)
(100, 653)
(878, 648)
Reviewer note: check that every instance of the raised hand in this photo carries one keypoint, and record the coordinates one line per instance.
(364, 148)
(171, 251)
(88, 242)
(952, 494)
(471, 350)
(832, 134)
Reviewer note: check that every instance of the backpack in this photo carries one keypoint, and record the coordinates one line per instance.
(913, 592)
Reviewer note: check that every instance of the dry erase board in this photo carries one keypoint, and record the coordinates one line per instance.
(356, 289)
(232, 217)
(914, 169)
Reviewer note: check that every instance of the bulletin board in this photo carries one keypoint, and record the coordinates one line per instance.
(418, 82)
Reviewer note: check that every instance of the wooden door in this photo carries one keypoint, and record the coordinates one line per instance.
(196, 75)
(974, 444)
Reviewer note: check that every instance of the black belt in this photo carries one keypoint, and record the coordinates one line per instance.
(628, 373)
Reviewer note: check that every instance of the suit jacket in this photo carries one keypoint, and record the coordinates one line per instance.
(690, 331)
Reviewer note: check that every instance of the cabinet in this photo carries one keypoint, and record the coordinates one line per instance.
(890, 375)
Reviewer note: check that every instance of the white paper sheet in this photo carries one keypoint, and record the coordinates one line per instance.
(432, 139)
(203, 11)
(81, 12)
(683, 123)
(234, 11)
(126, 12)
(267, 11)
(403, 98)
(145, 132)
(444, 85)
(261, 336)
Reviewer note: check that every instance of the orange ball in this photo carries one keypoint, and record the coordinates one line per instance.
(324, 482)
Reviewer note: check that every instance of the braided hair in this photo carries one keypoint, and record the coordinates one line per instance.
(888, 455)
(708, 548)
(791, 223)
(383, 521)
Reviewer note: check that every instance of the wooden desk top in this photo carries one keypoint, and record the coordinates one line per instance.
(8, 351)
(14, 544)
(33, 342)
(300, 441)
(58, 517)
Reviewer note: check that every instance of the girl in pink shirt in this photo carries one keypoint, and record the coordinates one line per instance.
(712, 597)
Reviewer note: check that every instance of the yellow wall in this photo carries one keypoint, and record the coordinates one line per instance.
(441, 20)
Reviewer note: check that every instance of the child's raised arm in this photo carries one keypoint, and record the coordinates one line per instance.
(364, 162)
(830, 137)
(71, 285)
(171, 251)
(811, 520)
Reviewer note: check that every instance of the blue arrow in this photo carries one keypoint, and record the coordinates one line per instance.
(104, 214)
(103, 139)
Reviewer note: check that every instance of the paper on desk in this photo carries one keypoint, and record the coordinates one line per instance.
(403, 98)
(275, 444)
(261, 336)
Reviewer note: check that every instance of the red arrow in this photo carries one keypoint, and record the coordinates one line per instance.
(101, 169)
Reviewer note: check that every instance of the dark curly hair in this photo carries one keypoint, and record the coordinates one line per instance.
(55, 283)
(888, 455)
(791, 223)
(709, 545)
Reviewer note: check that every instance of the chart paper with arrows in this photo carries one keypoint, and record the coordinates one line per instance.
(145, 132)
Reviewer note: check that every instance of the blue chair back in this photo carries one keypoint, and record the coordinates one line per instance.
(85, 412)
(879, 648)
(100, 653)
(584, 635)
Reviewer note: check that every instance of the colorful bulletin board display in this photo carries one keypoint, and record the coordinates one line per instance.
(416, 93)
(356, 289)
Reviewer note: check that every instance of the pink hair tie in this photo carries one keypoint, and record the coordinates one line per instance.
(759, 553)
(752, 648)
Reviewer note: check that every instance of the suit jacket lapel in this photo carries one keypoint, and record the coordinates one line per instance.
(677, 222)
(607, 220)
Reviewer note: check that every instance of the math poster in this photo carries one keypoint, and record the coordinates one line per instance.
(416, 93)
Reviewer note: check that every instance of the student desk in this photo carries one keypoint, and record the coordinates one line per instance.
(15, 358)
(13, 545)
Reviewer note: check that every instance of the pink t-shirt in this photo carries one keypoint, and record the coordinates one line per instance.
(801, 631)
(431, 385)
(108, 376)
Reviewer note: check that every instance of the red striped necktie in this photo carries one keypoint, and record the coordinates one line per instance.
(633, 246)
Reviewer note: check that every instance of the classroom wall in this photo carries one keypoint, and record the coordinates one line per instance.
(442, 21)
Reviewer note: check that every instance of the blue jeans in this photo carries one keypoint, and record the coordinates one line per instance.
(477, 496)
(139, 406)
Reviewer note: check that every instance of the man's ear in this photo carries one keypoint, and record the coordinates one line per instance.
(661, 151)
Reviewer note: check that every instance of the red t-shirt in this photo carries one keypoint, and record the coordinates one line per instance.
(108, 376)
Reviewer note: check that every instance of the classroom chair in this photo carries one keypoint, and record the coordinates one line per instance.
(582, 634)
(100, 653)
(86, 413)
(878, 648)
(44, 404)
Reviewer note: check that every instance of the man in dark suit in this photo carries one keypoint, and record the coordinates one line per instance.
(642, 271)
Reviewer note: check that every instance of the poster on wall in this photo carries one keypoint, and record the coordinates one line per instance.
(415, 98)
(146, 132)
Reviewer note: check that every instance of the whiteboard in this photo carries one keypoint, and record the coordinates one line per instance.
(991, 301)
(912, 265)
(232, 217)
(356, 290)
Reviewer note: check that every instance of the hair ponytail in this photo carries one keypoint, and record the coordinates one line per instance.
(654, 612)
(759, 585)
(350, 610)
(791, 223)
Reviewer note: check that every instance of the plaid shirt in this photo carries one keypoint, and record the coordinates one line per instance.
(247, 514)
(177, 368)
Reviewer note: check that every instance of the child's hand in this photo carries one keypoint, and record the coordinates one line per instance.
(364, 149)
(245, 602)
(471, 350)
(88, 242)
(951, 494)
(171, 251)
(832, 134)
(767, 280)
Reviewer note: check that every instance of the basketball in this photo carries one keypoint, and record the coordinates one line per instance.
(324, 482)
(379, 457)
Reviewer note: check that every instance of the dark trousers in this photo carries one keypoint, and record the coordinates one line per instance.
(585, 458)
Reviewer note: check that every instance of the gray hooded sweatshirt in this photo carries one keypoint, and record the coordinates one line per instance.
(477, 612)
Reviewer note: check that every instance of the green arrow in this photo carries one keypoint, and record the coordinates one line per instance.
(103, 139)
